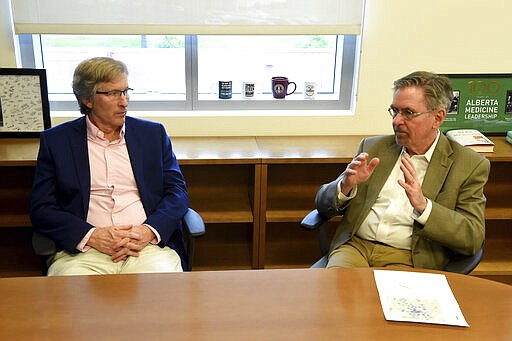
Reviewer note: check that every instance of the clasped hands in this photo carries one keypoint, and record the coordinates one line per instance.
(359, 170)
(121, 241)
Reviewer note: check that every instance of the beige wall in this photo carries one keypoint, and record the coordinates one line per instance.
(7, 54)
(399, 36)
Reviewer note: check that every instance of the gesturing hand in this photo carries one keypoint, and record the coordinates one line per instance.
(357, 171)
(411, 185)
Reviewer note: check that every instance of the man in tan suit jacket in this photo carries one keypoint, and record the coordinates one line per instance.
(413, 199)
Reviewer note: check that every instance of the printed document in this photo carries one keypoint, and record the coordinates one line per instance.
(418, 297)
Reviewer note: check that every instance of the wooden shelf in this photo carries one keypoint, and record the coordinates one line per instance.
(226, 246)
(285, 216)
(502, 150)
(290, 216)
(252, 193)
(493, 269)
(497, 269)
(15, 220)
(308, 149)
(18, 152)
(498, 213)
(497, 259)
(222, 193)
(226, 216)
(216, 150)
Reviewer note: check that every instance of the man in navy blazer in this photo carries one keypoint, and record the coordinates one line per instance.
(108, 188)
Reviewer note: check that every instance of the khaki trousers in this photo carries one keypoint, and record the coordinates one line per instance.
(361, 253)
(93, 262)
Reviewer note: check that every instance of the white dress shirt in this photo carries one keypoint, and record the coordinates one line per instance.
(391, 218)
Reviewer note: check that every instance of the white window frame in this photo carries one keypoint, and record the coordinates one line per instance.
(345, 68)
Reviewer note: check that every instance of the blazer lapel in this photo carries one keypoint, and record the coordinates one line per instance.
(387, 162)
(136, 152)
(437, 171)
(438, 168)
(388, 156)
(78, 142)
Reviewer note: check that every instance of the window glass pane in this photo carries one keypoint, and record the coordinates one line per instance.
(183, 72)
(156, 64)
(310, 58)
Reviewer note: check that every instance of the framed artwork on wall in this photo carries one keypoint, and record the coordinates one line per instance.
(24, 106)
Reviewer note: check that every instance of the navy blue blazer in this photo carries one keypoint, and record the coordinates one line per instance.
(59, 200)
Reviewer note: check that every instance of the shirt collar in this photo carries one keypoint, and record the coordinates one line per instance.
(430, 151)
(95, 132)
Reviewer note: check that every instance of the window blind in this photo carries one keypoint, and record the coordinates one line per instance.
(187, 16)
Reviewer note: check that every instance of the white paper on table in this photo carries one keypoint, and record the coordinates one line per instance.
(418, 297)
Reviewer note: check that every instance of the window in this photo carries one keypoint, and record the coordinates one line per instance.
(177, 72)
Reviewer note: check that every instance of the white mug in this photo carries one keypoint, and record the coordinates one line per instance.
(248, 89)
(309, 90)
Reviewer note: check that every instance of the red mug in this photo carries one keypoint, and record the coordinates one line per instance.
(280, 87)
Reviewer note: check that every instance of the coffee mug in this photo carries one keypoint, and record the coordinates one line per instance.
(248, 89)
(309, 90)
(280, 87)
(225, 89)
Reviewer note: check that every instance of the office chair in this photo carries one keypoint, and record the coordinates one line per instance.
(315, 221)
(193, 227)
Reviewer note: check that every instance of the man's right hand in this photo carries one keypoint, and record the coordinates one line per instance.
(109, 239)
(357, 171)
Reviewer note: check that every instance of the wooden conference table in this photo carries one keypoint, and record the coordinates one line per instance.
(301, 304)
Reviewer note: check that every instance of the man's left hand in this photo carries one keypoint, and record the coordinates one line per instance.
(412, 186)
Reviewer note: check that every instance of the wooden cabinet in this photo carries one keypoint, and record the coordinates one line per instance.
(497, 261)
(223, 180)
(252, 193)
(293, 168)
(17, 165)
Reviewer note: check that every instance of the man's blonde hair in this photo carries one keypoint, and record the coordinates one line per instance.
(90, 73)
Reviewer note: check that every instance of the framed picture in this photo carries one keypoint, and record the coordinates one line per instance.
(24, 106)
(482, 102)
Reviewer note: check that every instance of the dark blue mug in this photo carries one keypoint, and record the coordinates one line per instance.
(225, 89)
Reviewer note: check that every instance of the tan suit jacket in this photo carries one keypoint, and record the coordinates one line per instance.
(454, 182)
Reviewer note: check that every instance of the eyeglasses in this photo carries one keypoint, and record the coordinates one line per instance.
(407, 114)
(116, 94)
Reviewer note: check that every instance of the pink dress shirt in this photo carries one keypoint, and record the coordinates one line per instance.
(114, 198)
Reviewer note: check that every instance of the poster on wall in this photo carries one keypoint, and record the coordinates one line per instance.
(482, 102)
(24, 106)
